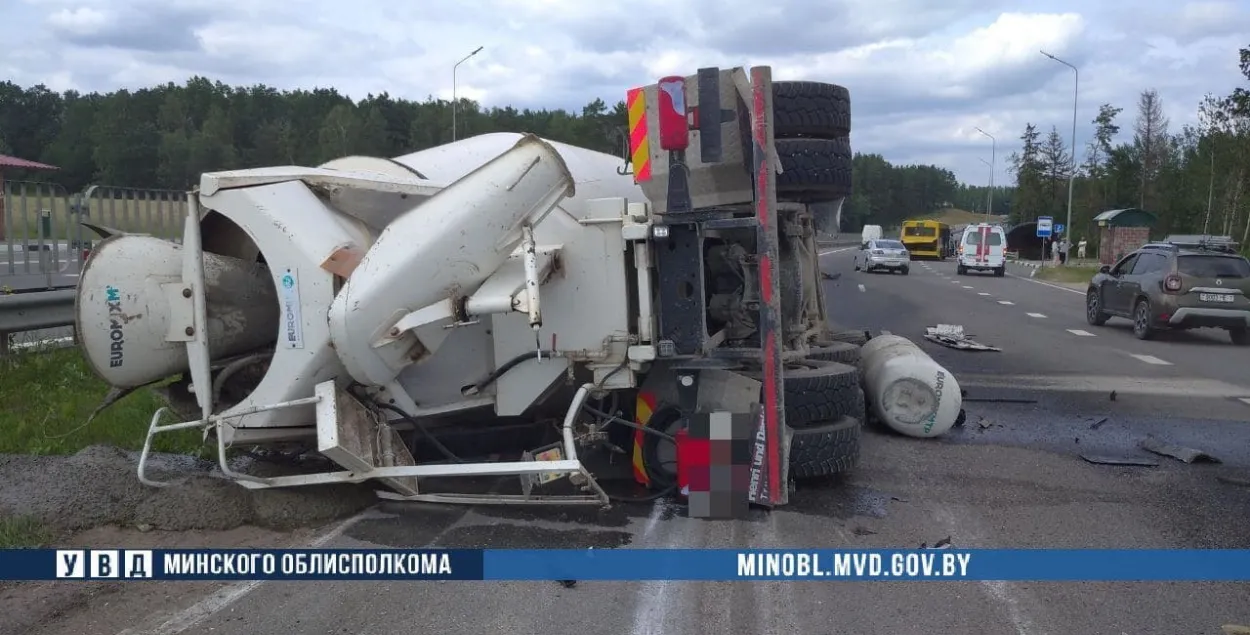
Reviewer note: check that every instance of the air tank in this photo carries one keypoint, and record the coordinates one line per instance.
(909, 392)
(123, 314)
(443, 248)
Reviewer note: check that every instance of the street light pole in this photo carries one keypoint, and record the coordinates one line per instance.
(989, 194)
(454, 102)
(1076, 84)
(993, 165)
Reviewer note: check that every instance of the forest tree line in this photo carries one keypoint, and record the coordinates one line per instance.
(1195, 179)
(165, 136)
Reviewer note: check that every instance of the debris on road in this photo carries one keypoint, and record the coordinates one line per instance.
(985, 423)
(830, 276)
(1098, 424)
(1188, 455)
(952, 336)
(863, 531)
(1119, 460)
(944, 543)
(568, 584)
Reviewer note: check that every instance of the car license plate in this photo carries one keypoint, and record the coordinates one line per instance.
(1215, 297)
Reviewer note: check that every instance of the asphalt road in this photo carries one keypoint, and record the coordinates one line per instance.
(1012, 476)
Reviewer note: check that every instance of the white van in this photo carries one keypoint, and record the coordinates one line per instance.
(982, 248)
(871, 232)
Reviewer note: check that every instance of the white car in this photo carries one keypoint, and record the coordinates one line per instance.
(890, 255)
(983, 247)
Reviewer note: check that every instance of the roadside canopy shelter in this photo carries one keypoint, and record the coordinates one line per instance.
(1120, 231)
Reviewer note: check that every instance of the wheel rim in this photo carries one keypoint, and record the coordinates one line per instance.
(1091, 306)
(1140, 323)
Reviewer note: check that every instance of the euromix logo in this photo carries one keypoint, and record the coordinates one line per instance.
(117, 319)
(288, 309)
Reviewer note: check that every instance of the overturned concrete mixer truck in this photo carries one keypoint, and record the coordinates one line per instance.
(372, 310)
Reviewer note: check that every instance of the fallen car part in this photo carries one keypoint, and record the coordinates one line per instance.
(907, 390)
(952, 336)
(1099, 459)
(1180, 453)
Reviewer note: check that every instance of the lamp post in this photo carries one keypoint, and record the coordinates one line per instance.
(454, 101)
(1076, 84)
(989, 194)
(993, 161)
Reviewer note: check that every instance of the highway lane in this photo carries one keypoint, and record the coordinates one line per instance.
(1017, 481)
(1047, 345)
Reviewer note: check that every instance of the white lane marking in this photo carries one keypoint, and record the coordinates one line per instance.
(1245, 400)
(1037, 315)
(968, 287)
(862, 289)
(1156, 386)
(1080, 332)
(228, 595)
(1006, 302)
(1047, 284)
(982, 293)
(835, 251)
(654, 597)
(1151, 359)
(957, 282)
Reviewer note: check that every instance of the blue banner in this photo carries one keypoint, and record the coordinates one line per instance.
(1058, 565)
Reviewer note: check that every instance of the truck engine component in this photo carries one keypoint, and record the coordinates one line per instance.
(369, 308)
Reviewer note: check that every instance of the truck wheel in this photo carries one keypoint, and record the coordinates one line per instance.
(819, 392)
(811, 109)
(814, 170)
(844, 352)
(826, 449)
(854, 336)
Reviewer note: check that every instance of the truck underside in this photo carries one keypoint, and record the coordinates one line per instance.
(507, 295)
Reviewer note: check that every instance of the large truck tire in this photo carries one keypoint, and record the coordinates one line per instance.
(858, 337)
(811, 109)
(820, 392)
(825, 450)
(834, 351)
(814, 170)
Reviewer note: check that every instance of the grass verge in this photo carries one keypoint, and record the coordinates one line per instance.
(23, 532)
(46, 397)
(1075, 274)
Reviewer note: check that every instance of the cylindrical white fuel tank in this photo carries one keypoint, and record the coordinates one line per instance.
(445, 247)
(123, 314)
(909, 391)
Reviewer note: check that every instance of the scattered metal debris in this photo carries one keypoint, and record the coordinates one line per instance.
(1233, 480)
(899, 499)
(1098, 424)
(944, 543)
(961, 419)
(1119, 460)
(863, 531)
(952, 336)
(568, 584)
(999, 400)
(1188, 455)
(830, 276)
(985, 423)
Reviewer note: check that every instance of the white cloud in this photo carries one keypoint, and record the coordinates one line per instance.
(923, 75)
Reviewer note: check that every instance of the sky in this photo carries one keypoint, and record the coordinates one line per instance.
(923, 75)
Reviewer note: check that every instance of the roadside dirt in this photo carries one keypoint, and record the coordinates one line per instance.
(94, 499)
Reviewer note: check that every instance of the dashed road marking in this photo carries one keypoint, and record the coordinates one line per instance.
(1047, 284)
(1037, 315)
(836, 251)
(967, 287)
(957, 282)
(1007, 302)
(1151, 359)
(1080, 332)
(982, 293)
(862, 289)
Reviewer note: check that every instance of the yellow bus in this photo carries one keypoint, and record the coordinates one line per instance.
(926, 238)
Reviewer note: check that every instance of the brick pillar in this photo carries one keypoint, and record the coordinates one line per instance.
(2, 206)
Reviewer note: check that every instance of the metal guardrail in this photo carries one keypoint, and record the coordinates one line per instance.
(34, 311)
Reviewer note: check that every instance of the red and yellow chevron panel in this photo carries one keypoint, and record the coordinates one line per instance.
(644, 407)
(639, 148)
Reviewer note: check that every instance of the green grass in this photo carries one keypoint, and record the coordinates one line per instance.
(1074, 274)
(23, 533)
(152, 212)
(46, 397)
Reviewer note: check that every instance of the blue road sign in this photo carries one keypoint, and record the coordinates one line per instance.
(1059, 227)
(1044, 226)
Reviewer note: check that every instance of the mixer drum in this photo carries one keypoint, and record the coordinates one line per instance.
(123, 314)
